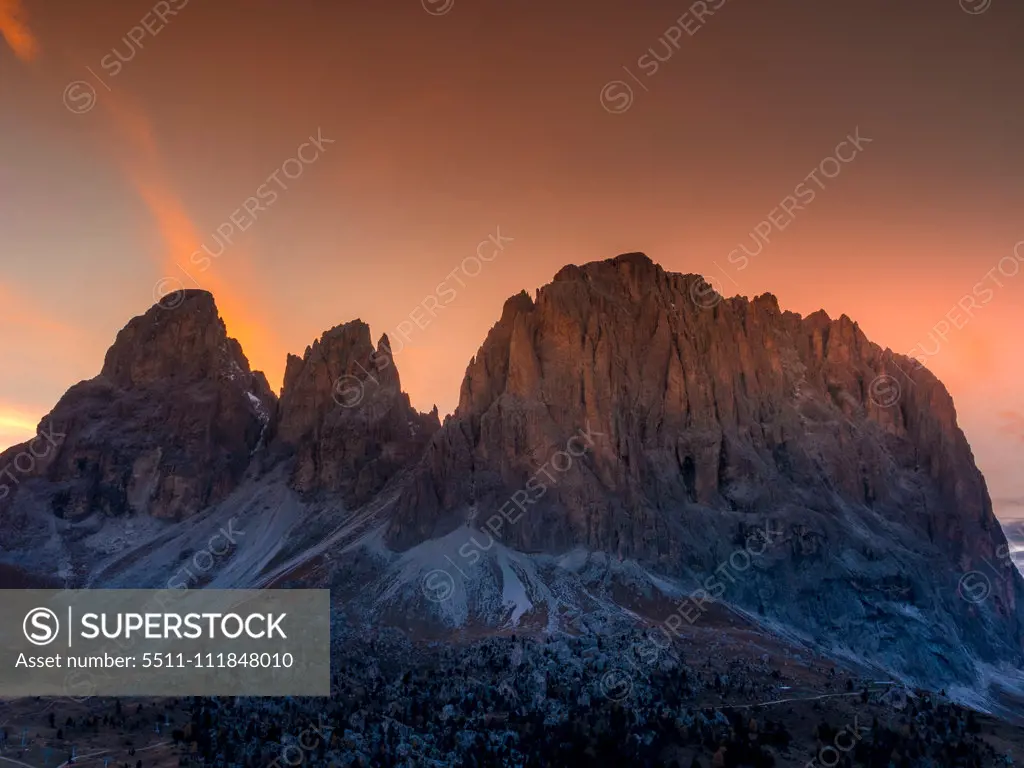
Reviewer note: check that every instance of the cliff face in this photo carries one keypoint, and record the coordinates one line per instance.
(166, 429)
(344, 416)
(623, 410)
(737, 406)
(703, 406)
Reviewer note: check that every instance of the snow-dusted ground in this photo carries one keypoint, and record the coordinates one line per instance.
(453, 581)
(466, 584)
(229, 545)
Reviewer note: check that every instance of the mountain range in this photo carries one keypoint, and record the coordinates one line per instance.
(629, 446)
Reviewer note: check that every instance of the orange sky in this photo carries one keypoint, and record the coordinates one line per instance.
(15, 30)
(447, 129)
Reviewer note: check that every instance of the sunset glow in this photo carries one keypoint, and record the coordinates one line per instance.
(704, 316)
(14, 28)
(128, 153)
(16, 426)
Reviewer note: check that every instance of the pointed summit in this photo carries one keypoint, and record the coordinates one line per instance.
(166, 429)
(344, 417)
(183, 340)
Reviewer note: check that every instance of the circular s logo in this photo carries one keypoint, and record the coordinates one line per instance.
(974, 7)
(704, 294)
(884, 391)
(348, 391)
(616, 97)
(974, 587)
(438, 585)
(616, 684)
(41, 626)
(79, 97)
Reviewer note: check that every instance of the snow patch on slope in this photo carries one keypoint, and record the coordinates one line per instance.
(258, 407)
(513, 591)
(456, 583)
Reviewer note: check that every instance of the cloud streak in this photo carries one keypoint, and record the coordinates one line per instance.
(144, 168)
(14, 28)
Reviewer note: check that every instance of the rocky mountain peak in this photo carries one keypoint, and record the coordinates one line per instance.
(703, 408)
(166, 429)
(701, 416)
(185, 343)
(621, 411)
(636, 264)
(344, 417)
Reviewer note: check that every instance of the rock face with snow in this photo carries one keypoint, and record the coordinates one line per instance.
(344, 417)
(166, 429)
(712, 412)
(620, 434)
